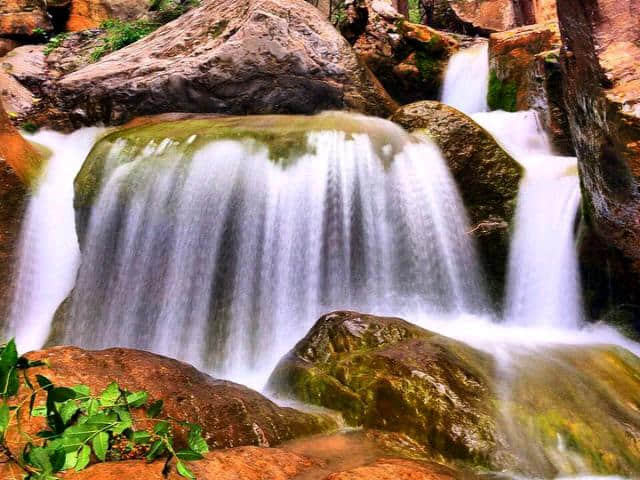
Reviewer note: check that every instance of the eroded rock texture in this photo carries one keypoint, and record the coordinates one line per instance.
(601, 66)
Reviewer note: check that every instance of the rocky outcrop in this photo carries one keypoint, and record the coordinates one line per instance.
(23, 18)
(230, 415)
(19, 166)
(409, 59)
(525, 74)
(87, 14)
(601, 67)
(488, 178)
(477, 17)
(262, 56)
(389, 374)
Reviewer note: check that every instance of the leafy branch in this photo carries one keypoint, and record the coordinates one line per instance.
(83, 428)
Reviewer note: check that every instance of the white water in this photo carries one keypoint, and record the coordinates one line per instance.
(49, 254)
(543, 286)
(466, 80)
(228, 262)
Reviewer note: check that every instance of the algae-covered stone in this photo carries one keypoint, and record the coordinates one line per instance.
(387, 373)
(487, 176)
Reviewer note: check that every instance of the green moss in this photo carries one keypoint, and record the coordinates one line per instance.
(119, 34)
(218, 28)
(29, 127)
(415, 15)
(430, 67)
(502, 95)
(55, 42)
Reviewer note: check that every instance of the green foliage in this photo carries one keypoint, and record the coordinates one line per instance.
(39, 32)
(502, 95)
(80, 425)
(415, 15)
(119, 34)
(430, 67)
(55, 42)
(338, 12)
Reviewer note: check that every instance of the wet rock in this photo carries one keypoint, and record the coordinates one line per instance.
(409, 59)
(262, 56)
(487, 177)
(601, 66)
(230, 415)
(397, 469)
(388, 374)
(87, 14)
(244, 463)
(525, 74)
(19, 166)
(23, 18)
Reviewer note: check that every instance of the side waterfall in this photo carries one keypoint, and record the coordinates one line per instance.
(224, 258)
(49, 255)
(466, 81)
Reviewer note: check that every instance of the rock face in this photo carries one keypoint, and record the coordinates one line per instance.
(601, 66)
(397, 469)
(19, 165)
(389, 374)
(475, 17)
(23, 18)
(259, 56)
(525, 74)
(86, 14)
(230, 415)
(409, 59)
(487, 177)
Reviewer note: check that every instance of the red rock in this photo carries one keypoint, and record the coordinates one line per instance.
(397, 469)
(87, 14)
(23, 17)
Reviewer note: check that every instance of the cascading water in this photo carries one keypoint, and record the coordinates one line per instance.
(209, 251)
(466, 80)
(49, 254)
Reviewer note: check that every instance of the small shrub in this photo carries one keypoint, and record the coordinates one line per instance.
(119, 34)
(55, 42)
(502, 95)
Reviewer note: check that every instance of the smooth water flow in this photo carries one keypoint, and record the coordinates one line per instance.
(49, 255)
(466, 80)
(543, 287)
(225, 259)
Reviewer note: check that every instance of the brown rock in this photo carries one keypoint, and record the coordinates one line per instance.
(86, 14)
(477, 17)
(230, 414)
(525, 74)
(408, 59)
(545, 11)
(487, 177)
(397, 469)
(23, 17)
(601, 66)
(6, 45)
(260, 56)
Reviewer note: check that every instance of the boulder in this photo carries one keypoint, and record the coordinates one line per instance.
(6, 45)
(19, 166)
(23, 18)
(87, 14)
(525, 74)
(472, 18)
(261, 56)
(230, 415)
(408, 59)
(487, 177)
(243, 463)
(465, 406)
(397, 469)
(601, 71)
(544, 11)
(389, 374)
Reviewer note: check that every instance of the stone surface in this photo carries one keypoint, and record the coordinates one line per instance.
(6, 45)
(86, 14)
(389, 374)
(24, 18)
(488, 178)
(261, 56)
(472, 17)
(601, 66)
(230, 415)
(397, 469)
(409, 59)
(525, 74)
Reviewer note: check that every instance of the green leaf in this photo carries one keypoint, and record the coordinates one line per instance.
(70, 460)
(141, 437)
(101, 445)
(156, 450)
(39, 458)
(110, 395)
(188, 455)
(57, 457)
(93, 407)
(161, 428)
(155, 408)
(40, 411)
(184, 471)
(62, 394)
(68, 410)
(137, 399)
(81, 390)
(83, 458)
(195, 440)
(4, 418)
(44, 382)
(9, 382)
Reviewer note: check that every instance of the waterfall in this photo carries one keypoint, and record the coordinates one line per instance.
(543, 286)
(466, 79)
(48, 248)
(224, 258)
